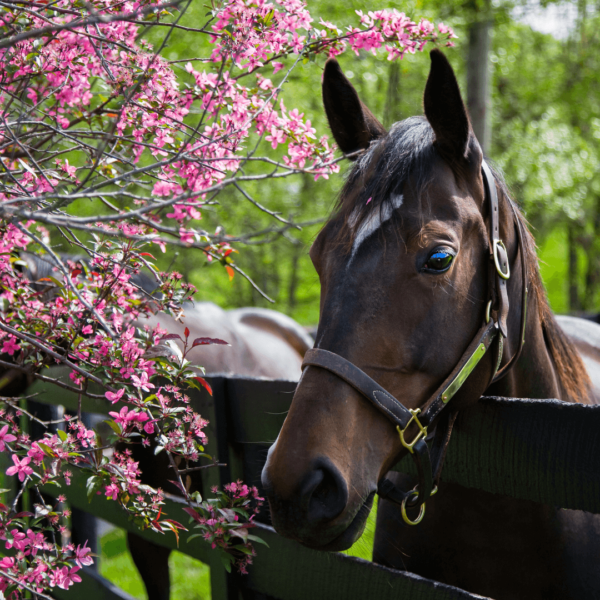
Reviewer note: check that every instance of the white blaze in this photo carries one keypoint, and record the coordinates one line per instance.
(374, 221)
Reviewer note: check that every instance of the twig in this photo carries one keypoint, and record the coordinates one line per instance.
(58, 357)
(57, 382)
(191, 469)
(11, 402)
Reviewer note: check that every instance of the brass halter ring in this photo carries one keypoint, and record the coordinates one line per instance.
(421, 514)
(406, 518)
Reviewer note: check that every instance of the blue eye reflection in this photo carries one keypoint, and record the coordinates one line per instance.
(439, 261)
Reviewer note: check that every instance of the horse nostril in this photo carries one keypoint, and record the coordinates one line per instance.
(326, 492)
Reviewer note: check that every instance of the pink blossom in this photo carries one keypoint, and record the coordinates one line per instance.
(20, 467)
(83, 556)
(142, 382)
(10, 345)
(112, 491)
(114, 397)
(5, 438)
(66, 577)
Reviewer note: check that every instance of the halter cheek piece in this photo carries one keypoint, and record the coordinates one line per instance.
(420, 420)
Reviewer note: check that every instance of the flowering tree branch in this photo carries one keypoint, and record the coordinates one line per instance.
(106, 148)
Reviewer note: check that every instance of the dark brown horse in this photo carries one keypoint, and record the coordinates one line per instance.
(406, 285)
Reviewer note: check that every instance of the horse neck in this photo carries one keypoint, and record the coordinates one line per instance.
(534, 375)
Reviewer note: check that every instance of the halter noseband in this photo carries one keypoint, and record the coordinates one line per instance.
(419, 420)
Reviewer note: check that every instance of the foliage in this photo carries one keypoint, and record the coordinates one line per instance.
(105, 148)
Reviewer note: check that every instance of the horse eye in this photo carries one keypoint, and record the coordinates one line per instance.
(439, 261)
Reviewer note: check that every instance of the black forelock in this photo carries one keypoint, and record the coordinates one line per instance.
(385, 167)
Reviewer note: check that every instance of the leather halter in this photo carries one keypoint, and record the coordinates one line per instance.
(419, 420)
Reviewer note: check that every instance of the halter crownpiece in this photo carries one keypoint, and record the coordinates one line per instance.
(421, 419)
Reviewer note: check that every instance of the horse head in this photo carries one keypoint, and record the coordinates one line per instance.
(405, 278)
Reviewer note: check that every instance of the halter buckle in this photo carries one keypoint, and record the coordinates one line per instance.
(500, 244)
(422, 430)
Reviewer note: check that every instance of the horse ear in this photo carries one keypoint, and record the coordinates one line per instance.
(445, 109)
(353, 125)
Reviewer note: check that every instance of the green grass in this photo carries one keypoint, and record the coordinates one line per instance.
(363, 548)
(190, 579)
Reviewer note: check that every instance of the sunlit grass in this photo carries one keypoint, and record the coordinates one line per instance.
(363, 548)
(190, 579)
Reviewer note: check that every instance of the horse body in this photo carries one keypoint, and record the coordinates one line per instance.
(263, 343)
(404, 266)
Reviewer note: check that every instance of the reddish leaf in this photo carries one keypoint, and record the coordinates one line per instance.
(206, 341)
(23, 514)
(178, 486)
(76, 272)
(230, 272)
(204, 384)
(187, 333)
(192, 513)
(175, 523)
(147, 254)
(171, 336)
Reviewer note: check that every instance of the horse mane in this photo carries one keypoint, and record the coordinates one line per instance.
(384, 169)
(571, 372)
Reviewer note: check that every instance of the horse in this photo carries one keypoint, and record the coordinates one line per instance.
(429, 288)
(263, 343)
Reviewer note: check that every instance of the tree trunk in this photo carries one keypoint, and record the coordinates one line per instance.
(592, 278)
(392, 112)
(478, 76)
(574, 304)
(294, 280)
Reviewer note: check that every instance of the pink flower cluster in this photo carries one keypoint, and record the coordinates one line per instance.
(34, 561)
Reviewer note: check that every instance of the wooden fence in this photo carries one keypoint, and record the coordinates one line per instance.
(545, 451)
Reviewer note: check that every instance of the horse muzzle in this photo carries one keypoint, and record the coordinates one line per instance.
(317, 512)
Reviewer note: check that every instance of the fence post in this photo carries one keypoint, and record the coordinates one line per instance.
(213, 409)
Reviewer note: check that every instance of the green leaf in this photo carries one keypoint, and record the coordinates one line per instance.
(114, 426)
(46, 449)
(255, 538)
(62, 435)
(227, 561)
(93, 485)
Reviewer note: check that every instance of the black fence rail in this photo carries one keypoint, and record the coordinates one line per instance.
(540, 450)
